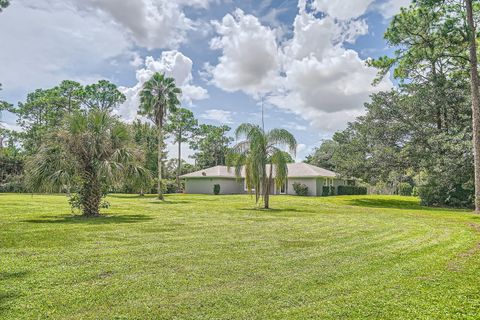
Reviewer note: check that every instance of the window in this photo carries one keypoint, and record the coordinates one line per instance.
(328, 182)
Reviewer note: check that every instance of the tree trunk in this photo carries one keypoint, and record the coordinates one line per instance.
(159, 162)
(266, 197)
(179, 166)
(90, 194)
(475, 100)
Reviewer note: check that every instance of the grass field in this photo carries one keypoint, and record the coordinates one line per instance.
(216, 257)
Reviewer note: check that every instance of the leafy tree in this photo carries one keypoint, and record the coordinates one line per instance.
(182, 125)
(258, 149)
(211, 144)
(103, 95)
(4, 4)
(475, 94)
(89, 153)
(323, 155)
(158, 97)
(435, 43)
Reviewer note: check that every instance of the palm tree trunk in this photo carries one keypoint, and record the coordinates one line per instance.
(267, 193)
(179, 166)
(90, 194)
(159, 163)
(474, 82)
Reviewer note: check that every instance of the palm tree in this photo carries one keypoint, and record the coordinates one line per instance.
(255, 152)
(158, 97)
(91, 152)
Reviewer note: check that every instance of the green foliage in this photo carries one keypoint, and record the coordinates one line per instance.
(257, 150)
(4, 4)
(405, 189)
(438, 189)
(300, 189)
(159, 96)
(351, 190)
(211, 145)
(324, 156)
(216, 189)
(76, 202)
(328, 191)
(89, 153)
(103, 96)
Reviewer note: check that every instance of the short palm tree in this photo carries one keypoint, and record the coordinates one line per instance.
(255, 152)
(158, 97)
(91, 152)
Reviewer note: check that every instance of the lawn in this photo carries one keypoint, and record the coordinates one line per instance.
(217, 257)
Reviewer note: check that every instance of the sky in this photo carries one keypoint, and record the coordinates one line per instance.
(304, 60)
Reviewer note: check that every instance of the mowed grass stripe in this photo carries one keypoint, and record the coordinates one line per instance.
(204, 257)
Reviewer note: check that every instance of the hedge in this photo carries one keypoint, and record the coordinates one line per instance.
(351, 190)
(328, 191)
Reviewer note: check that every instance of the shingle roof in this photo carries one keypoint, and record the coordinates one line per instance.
(296, 170)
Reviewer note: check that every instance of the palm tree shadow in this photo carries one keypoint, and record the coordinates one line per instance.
(103, 219)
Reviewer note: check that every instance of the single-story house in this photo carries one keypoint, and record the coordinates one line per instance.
(315, 178)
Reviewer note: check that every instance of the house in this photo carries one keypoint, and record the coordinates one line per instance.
(315, 178)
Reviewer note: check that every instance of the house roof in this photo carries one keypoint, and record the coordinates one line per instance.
(295, 170)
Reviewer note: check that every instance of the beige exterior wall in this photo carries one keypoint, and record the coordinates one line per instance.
(205, 185)
(309, 182)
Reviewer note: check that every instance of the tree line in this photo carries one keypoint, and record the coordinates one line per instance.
(423, 136)
(72, 141)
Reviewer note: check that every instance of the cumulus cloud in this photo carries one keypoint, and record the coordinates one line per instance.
(390, 8)
(150, 23)
(312, 74)
(222, 116)
(341, 9)
(174, 64)
(249, 59)
(50, 44)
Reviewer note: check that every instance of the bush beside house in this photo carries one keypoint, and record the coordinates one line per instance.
(300, 189)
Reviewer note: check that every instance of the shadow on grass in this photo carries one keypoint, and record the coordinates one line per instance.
(107, 219)
(273, 210)
(6, 296)
(6, 275)
(170, 202)
(396, 204)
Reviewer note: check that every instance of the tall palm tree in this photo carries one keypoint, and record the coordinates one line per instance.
(158, 97)
(255, 152)
(90, 152)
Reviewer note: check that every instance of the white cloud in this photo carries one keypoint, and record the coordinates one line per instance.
(250, 59)
(314, 75)
(53, 44)
(389, 8)
(222, 116)
(150, 23)
(174, 64)
(341, 9)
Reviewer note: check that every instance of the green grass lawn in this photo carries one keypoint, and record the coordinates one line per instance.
(217, 257)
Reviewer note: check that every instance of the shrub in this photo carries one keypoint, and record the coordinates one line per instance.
(216, 189)
(300, 189)
(405, 189)
(170, 186)
(439, 190)
(351, 190)
(328, 191)
(415, 192)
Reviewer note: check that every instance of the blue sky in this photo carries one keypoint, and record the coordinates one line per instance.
(304, 59)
